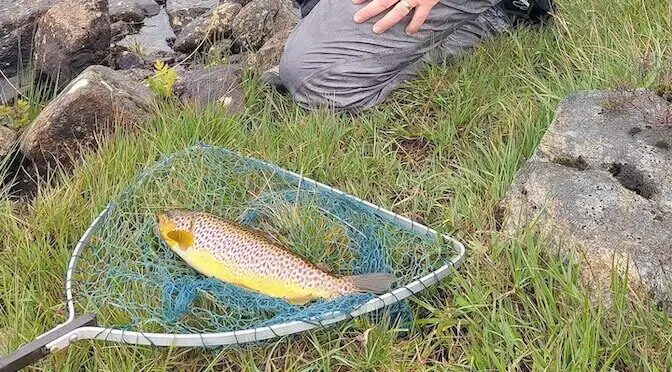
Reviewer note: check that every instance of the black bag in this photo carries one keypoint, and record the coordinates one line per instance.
(528, 12)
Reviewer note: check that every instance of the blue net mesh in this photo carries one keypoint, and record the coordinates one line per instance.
(134, 282)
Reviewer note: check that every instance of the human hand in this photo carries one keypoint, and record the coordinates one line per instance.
(399, 11)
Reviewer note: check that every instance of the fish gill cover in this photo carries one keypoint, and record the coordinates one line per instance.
(134, 282)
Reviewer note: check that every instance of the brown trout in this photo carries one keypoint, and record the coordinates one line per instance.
(245, 257)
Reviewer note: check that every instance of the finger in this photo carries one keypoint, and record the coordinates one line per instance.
(373, 9)
(359, 1)
(393, 17)
(419, 18)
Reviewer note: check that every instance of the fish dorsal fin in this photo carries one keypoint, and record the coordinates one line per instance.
(324, 267)
(184, 238)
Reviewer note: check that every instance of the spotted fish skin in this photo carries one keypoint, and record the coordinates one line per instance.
(233, 253)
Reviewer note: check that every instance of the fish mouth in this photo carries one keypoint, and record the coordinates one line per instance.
(164, 223)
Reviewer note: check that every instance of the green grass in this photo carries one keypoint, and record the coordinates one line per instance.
(513, 306)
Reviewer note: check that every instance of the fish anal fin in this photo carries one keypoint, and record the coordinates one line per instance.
(183, 238)
(375, 282)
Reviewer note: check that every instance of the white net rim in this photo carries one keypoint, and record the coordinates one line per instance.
(265, 332)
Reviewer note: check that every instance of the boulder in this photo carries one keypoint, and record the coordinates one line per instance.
(151, 43)
(92, 106)
(7, 140)
(182, 12)
(18, 20)
(71, 36)
(601, 181)
(119, 30)
(269, 55)
(259, 20)
(216, 23)
(132, 10)
(221, 85)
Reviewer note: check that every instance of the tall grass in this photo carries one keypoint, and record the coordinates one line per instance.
(513, 306)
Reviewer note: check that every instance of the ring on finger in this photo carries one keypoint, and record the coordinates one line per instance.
(406, 4)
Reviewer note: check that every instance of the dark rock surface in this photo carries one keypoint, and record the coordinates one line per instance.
(216, 23)
(127, 60)
(11, 87)
(220, 85)
(18, 20)
(132, 10)
(181, 12)
(259, 20)
(269, 55)
(96, 103)
(120, 29)
(7, 140)
(601, 181)
(71, 36)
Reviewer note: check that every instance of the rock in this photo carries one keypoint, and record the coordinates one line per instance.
(127, 60)
(132, 10)
(269, 55)
(139, 74)
(120, 29)
(11, 87)
(151, 42)
(601, 181)
(18, 20)
(93, 105)
(7, 141)
(182, 12)
(216, 23)
(259, 20)
(241, 2)
(71, 36)
(219, 85)
(240, 58)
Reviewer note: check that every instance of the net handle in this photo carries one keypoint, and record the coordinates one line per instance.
(256, 334)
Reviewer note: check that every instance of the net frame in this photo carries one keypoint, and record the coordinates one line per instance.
(397, 295)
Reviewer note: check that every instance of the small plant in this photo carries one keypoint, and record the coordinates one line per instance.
(137, 48)
(16, 116)
(163, 80)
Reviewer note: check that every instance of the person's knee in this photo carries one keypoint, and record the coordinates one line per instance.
(327, 87)
(320, 82)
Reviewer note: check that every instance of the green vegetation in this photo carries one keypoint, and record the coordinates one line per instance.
(28, 104)
(513, 306)
(163, 79)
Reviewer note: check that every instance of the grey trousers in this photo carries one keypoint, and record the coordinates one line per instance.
(331, 61)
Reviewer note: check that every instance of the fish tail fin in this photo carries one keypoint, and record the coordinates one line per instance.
(374, 282)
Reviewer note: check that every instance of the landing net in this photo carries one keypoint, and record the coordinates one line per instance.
(134, 282)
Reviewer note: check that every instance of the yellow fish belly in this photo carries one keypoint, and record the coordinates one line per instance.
(206, 264)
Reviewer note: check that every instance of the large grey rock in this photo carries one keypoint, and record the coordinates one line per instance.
(259, 20)
(132, 10)
(93, 105)
(182, 12)
(215, 24)
(7, 140)
(18, 20)
(601, 181)
(151, 43)
(217, 86)
(71, 36)
(269, 55)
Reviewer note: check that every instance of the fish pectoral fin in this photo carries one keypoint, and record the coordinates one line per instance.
(184, 238)
(298, 301)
